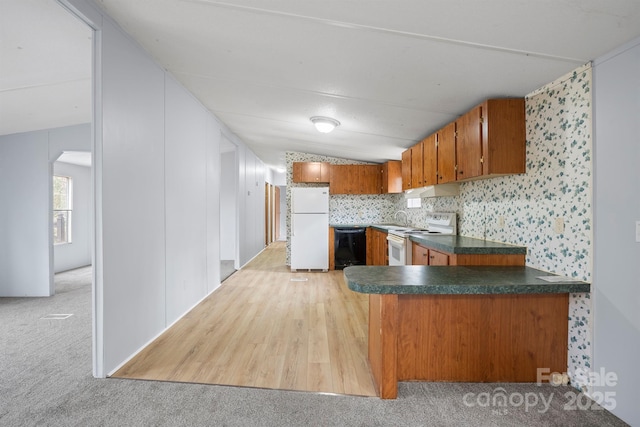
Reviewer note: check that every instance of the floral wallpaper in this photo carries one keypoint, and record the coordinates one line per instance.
(548, 209)
(556, 187)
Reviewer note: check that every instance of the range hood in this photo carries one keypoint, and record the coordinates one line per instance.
(440, 190)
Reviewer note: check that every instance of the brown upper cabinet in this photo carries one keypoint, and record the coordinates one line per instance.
(406, 170)
(311, 172)
(416, 166)
(430, 160)
(355, 179)
(447, 153)
(392, 177)
(487, 141)
(412, 167)
(491, 139)
(369, 179)
(503, 137)
(469, 144)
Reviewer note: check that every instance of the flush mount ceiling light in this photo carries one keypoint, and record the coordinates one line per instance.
(324, 124)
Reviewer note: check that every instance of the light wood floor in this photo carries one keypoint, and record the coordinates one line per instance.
(262, 328)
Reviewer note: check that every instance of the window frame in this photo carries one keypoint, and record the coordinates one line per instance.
(68, 212)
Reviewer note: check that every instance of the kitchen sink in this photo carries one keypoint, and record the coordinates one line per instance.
(395, 227)
(391, 227)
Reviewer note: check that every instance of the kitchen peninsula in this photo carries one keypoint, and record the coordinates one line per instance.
(463, 323)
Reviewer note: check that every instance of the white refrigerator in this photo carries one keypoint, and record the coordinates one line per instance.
(310, 228)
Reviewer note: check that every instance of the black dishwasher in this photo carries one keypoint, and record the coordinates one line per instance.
(350, 247)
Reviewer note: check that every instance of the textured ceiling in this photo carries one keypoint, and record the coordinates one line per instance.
(45, 67)
(390, 71)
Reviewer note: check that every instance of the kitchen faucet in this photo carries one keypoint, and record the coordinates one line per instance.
(406, 219)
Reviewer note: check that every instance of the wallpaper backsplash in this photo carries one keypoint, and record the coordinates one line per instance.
(343, 208)
(523, 209)
(556, 187)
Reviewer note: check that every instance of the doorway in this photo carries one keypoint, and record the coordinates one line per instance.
(271, 213)
(273, 208)
(228, 208)
(72, 211)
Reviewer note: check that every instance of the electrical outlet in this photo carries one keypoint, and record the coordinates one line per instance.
(558, 225)
(501, 221)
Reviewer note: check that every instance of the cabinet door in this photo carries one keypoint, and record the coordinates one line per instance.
(469, 144)
(383, 249)
(438, 258)
(447, 153)
(374, 247)
(298, 171)
(416, 166)
(430, 160)
(311, 172)
(342, 180)
(392, 177)
(406, 169)
(325, 172)
(420, 254)
(504, 136)
(371, 245)
(369, 179)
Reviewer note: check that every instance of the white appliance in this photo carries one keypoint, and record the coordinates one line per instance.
(310, 228)
(400, 250)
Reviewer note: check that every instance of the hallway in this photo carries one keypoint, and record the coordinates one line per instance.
(270, 328)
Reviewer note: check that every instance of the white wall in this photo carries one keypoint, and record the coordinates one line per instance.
(283, 213)
(157, 186)
(76, 254)
(132, 191)
(228, 211)
(185, 200)
(25, 181)
(26, 252)
(251, 198)
(274, 177)
(617, 208)
(212, 189)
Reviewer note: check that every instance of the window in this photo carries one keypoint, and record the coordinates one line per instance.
(61, 210)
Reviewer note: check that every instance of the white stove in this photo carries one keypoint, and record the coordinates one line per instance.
(438, 223)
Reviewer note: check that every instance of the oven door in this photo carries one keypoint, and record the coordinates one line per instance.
(397, 250)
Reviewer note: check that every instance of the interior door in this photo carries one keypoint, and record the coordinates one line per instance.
(276, 220)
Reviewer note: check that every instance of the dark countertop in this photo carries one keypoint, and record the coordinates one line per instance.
(455, 280)
(450, 244)
(381, 227)
(467, 245)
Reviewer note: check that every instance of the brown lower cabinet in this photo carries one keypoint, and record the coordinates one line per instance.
(332, 259)
(378, 254)
(377, 250)
(422, 255)
(465, 338)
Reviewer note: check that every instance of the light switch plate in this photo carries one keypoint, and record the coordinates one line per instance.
(558, 225)
(638, 231)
